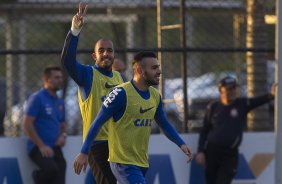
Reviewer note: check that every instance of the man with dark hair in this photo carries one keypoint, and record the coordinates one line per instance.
(44, 124)
(222, 131)
(131, 108)
(94, 83)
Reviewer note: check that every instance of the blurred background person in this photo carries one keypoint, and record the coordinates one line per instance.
(222, 131)
(44, 124)
(119, 66)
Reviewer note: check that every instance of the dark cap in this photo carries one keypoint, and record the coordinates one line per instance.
(228, 82)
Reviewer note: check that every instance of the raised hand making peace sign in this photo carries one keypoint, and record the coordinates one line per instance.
(78, 19)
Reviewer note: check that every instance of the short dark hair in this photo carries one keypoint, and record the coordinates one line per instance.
(141, 55)
(48, 70)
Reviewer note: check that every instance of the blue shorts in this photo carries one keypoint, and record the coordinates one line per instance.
(128, 174)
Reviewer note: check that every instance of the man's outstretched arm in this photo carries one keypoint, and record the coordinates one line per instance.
(170, 132)
(115, 101)
(77, 71)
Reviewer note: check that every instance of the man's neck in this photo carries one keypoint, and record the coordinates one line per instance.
(226, 102)
(140, 84)
(102, 70)
(50, 91)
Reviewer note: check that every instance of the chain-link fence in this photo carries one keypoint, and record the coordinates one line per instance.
(233, 37)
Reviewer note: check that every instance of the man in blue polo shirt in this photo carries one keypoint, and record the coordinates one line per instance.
(45, 127)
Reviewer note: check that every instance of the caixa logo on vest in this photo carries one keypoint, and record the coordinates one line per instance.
(142, 122)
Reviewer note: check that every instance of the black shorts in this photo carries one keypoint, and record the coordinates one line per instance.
(98, 162)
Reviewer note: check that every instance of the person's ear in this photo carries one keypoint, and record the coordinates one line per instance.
(139, 70)
(219, 89)
(94, 56)
(46, 80)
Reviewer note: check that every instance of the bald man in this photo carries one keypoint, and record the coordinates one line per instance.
(94, 83)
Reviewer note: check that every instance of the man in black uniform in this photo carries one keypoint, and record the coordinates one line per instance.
(222, 131)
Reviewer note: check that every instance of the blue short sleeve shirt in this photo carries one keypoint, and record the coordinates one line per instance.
(49, 113)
